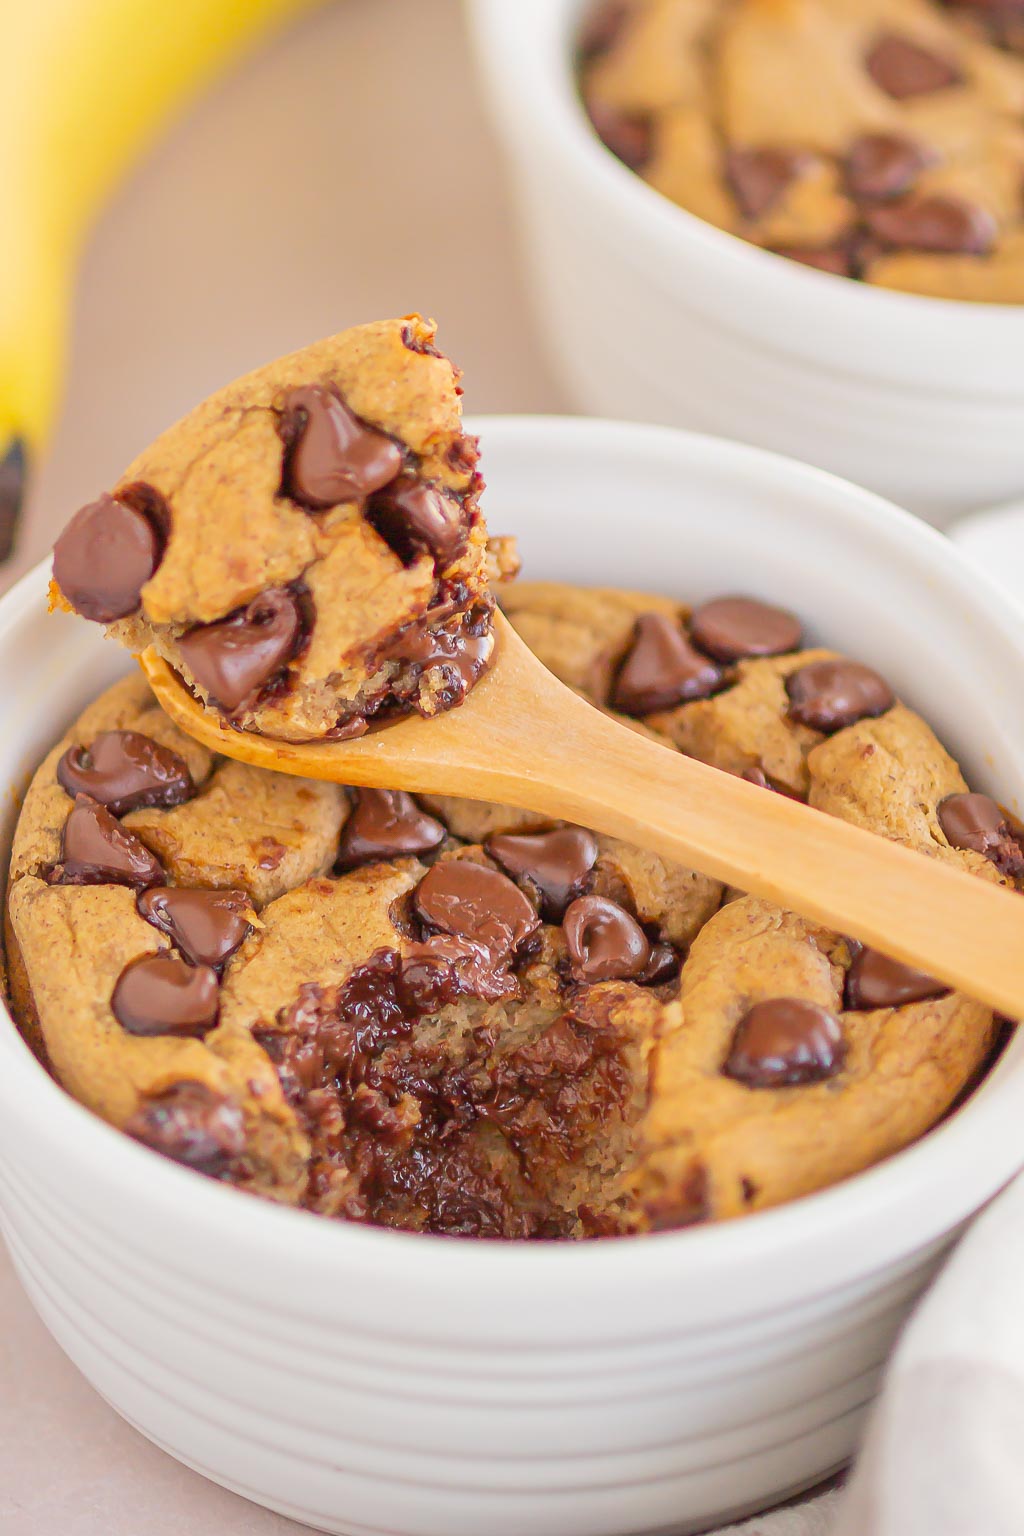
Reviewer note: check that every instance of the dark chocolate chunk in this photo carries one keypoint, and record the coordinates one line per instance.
(386, 824)
(192, 1125)
(830, 695)
(207, 926)
(976, 822)
(164, 995)
(125, 770)
(415, 518)
(785, 1041)
(97, 850)
(236, 657)
(759, 177)
(604, 942)
(876, 981)
(330, 455)
(448, 966)
(826, 258)
(459, 649)
(945, 225)
(903, 68)
(880, 166)
(662, 669)
(104, 557)
(662, 965)
(555, 865)
(475, 902)
(732, 627)
(629, 135)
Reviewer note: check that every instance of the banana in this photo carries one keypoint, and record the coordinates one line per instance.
(85, 87)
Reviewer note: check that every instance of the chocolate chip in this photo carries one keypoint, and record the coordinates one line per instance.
(756, 775)
(945, 225)
(234, 658)
(330, 455)
(903, 68)
(759, 177)
(883, 165)
(104, 558)
(475, 902)
(826, 258)
(414, 517)
(554, 864)
(207, 926)
(662, 965)
(783, 1042)
(125, 770)
(192, 1125)
(604, 942)
(876, 981)
(629, 135)
(386, 824)
(830, 695)
(662, 669)
(732, 627)
(976, 822)
(164, 995)
(445, 967)
(97, 850)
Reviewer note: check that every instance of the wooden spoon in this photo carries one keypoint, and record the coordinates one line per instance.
(525, 739)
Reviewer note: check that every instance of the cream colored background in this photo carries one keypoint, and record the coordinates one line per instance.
(343, 174)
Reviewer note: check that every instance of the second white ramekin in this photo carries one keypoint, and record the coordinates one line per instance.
(376, 1382)
(652, 314)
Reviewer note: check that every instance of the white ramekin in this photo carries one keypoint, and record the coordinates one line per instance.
(652, 314)
(370, 1381)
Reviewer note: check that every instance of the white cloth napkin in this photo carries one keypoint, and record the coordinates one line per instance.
(944, 1453)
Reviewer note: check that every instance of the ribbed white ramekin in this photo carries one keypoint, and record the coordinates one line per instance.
(654, 315)
(369, 1381)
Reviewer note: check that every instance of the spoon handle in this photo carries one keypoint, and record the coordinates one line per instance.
(950, 924)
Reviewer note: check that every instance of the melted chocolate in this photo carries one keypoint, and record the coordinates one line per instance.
(330, 455)
(554, 866)
(386, 824)
(163, 995)
(977, 823)
(124, 770)
(235, 658)
(207, 926)
(785, 1042)
(473, 901)
(827, 696)
(662, 669)
(104, 558)
(192, 1125)
(903, 68)
(97, 850)
(604, 942)
(415, 517)
(730, 628)
(876, 981)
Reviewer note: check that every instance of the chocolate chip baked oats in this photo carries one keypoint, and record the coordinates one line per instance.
(446, 1016)
(878, 139)
(305, 547)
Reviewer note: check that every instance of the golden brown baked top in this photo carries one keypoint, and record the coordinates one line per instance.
(305, 547)
(447, 1016)
(878, 139)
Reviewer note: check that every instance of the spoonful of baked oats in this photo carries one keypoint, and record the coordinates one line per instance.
(303, 558)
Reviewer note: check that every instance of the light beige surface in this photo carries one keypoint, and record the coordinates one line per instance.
(344, 174)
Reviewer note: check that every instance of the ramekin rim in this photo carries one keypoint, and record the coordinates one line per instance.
(854, 1204)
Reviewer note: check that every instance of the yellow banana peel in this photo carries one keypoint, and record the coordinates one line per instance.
(85, 87)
